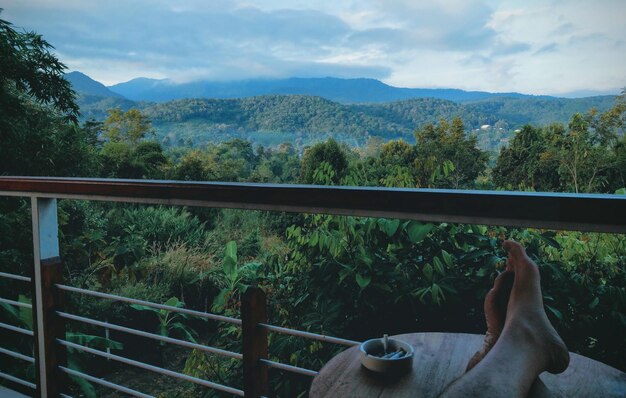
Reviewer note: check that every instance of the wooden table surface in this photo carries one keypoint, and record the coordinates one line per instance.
(439, 359)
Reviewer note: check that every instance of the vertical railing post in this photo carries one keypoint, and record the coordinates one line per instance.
(48, 271)
(253, 312)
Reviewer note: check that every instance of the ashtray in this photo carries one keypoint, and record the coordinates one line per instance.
(387, 355)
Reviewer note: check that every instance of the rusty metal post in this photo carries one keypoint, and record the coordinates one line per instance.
(253, 312)
(47, 299)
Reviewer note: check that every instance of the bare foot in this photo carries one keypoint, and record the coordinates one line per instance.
(496, 302)
(526, 320)
(527, 344)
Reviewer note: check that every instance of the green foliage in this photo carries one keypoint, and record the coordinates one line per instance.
(129, 127)
(23, 317)
(447, 157)
(345, 276)
(585, 287)
(329, 153)
(305, 120)
(170, 323)
(526, 162)
(587, 156)
(235, 279)
(30, 68)
(126, 154)
(157, 225)
(38, 111)
(121, 160)
(77, 360)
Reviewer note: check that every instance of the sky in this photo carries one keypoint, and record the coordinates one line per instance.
(559, 47)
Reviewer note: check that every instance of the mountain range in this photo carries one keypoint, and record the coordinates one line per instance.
(314, 109)
(335, 89)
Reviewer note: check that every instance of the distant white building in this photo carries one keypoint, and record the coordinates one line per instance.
(485, 127)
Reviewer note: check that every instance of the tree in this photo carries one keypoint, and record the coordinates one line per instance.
(121, 160)
(396, 164)
(36, 104)
(611, 126)
(582, 159)
(190, 168)
(527, 162)
(29, 71)
(447, 144)
(329, 152)
(129, 127)
(126, 154)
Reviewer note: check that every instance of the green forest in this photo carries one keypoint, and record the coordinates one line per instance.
(304, 120)
(341, 276)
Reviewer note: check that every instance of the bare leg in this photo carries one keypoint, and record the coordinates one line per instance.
(496, 302)
(527, 346)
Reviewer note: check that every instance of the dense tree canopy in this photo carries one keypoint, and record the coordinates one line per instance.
(587, 155)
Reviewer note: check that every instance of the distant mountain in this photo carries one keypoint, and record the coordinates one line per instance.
(276, 118)
(335, 89)
(84, 85)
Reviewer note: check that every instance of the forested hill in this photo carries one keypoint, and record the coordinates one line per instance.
(298, 113)
(196, 121)
(277, 113)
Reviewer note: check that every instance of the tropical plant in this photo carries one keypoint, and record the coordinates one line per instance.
(236, 278)
(170, 323)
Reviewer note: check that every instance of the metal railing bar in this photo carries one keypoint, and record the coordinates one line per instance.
(16, 329)
(17, 380)
(105, 383)
(153, 336)
(17, 355)
(561, 211)
(15, 303)
(308, 335)
(199, 314)
(14, 276)
(289, 368)
(152, 368)
(65, 396)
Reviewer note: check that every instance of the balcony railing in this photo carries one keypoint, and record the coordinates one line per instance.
(599, 213)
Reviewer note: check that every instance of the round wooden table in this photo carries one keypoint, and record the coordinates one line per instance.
(439, 359)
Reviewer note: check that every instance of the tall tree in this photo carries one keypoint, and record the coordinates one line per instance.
(126, 153)
(130, 127)
(324, 152)
(447, 144)
(582, 158)
(527, 162)
(36, 104)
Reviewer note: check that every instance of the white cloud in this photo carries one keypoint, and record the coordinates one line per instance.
(529, 46)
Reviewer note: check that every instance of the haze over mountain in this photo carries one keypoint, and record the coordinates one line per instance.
(335, 89)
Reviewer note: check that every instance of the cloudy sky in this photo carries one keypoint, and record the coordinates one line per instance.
(529, 46)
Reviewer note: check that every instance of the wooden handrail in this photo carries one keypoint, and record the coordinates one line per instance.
(562, 211)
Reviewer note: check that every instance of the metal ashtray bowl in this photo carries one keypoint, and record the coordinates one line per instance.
(372, 352)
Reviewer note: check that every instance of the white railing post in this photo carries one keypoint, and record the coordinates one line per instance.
(47, 272)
